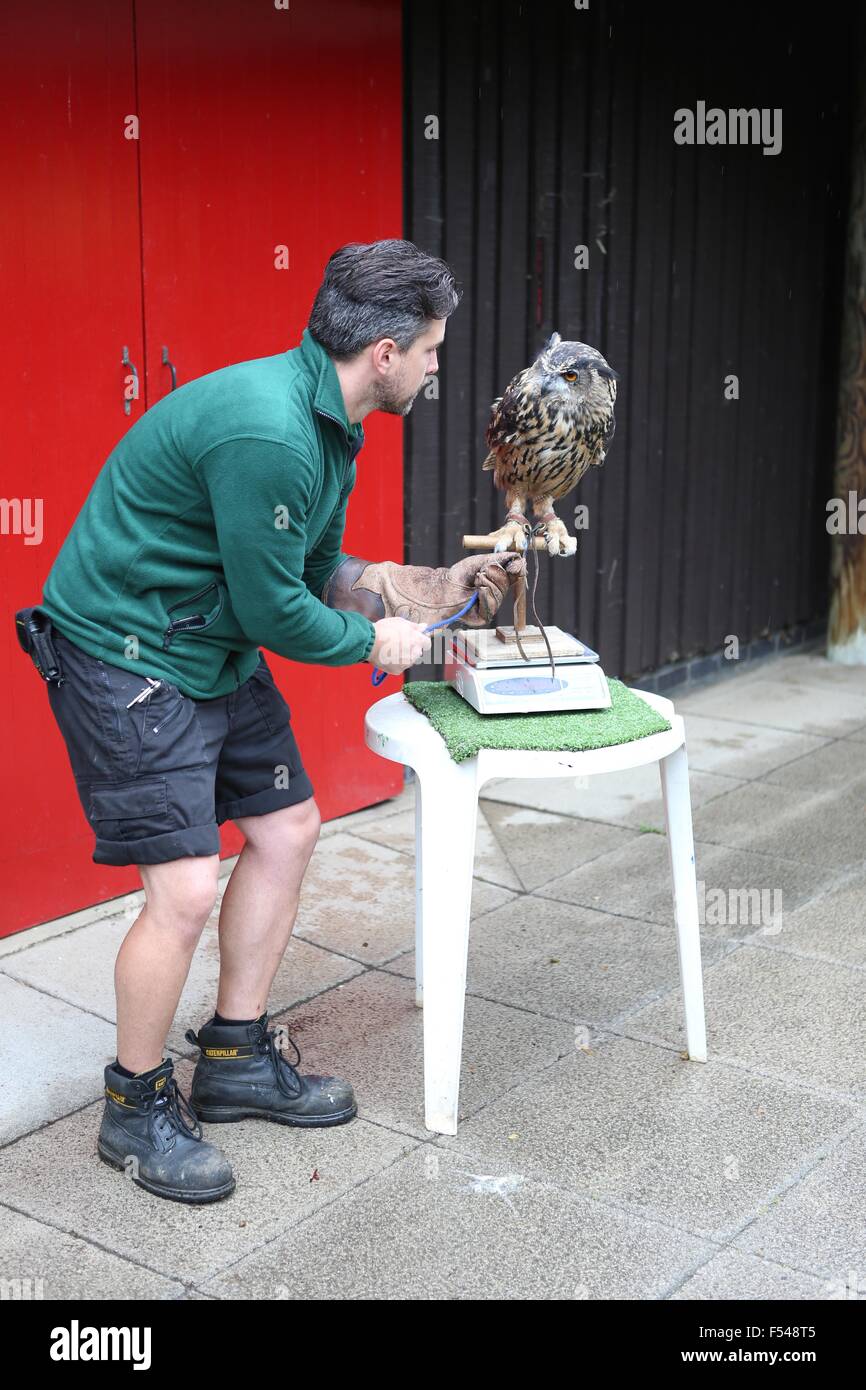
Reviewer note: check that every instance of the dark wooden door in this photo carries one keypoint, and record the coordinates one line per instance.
(704, 262)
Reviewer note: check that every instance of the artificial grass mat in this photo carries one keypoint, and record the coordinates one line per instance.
(465, 730)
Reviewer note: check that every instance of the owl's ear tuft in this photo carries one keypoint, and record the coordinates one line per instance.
(551, 342)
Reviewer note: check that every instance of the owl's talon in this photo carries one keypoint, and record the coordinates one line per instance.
(511, 536)
(557, 539)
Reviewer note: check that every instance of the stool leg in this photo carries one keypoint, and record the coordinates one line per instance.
(419, 880)
(446, 830)
(674, 773)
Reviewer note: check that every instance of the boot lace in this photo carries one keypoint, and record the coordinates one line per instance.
(165, 1116)
(265, 1040)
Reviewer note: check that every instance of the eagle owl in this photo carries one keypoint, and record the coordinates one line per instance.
(554, 419)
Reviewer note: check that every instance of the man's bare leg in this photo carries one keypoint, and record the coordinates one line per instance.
(260, 904)
(154, 960)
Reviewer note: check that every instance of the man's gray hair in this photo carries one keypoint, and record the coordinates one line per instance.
(379, 289)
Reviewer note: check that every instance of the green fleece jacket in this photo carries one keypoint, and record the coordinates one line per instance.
(212, 527)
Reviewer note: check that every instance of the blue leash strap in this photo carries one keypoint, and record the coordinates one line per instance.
(379, 675)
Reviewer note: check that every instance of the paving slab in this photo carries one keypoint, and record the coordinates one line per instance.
(739, 891)
(773, 1012)
(358, 899)
(541, 845)
(630, 798)
(745, 751)
(814, 668)
(696, 1145)
(433, 1227)
(830, 768)
(48, 1262)
(732, 1274)
(382, 810)
(78, 967)
(824, 828)
(831, 927)
(784, 700)
(370, 1031)
(53, 1057)
(818, 1223)
(565, 962)
(283, 1174)
(491, 860)
(517, 847)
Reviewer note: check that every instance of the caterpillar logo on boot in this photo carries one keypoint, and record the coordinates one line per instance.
(115, 1095)
(226, 1052)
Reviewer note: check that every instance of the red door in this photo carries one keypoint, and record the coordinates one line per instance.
(258, 129)
(70, 262)
(264, 129)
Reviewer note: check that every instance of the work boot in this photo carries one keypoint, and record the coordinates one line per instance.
(143, 1131)
(242, 1074)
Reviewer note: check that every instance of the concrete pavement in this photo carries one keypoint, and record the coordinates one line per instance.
(591, 1160)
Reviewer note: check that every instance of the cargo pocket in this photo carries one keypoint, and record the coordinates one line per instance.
(129, 810)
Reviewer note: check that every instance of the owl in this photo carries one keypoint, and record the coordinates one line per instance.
(553, 421)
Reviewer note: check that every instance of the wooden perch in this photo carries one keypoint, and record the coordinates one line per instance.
(488, 542)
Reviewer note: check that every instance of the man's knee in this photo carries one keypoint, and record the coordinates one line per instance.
(182, 891)
(292, 828)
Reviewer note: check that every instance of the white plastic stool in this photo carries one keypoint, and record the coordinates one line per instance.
(446, 803)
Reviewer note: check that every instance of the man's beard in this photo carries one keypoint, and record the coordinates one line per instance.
(392, 401)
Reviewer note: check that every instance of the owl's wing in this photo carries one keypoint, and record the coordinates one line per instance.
(608, 430)
(608, 434)
(504, 422)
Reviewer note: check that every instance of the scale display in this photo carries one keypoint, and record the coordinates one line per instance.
(520, 686)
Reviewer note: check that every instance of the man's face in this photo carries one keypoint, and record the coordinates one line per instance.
(396, 391)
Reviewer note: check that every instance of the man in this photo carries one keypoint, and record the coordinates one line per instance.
(215, 526)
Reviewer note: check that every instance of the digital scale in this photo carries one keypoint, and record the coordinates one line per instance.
(485, 667)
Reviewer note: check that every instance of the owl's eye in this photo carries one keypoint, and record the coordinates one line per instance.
(570, 376)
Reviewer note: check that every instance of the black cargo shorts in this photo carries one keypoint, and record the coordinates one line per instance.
(158, 777)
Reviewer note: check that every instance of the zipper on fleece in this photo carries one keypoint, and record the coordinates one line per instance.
(351, 452)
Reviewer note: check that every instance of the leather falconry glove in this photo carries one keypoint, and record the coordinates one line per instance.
(422, 594)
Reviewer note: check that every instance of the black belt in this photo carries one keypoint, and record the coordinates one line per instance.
(33, 628)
